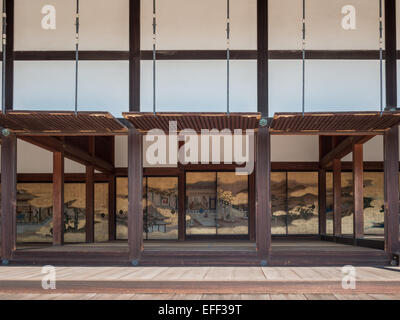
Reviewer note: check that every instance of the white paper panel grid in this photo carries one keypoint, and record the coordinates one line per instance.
(50, 85)
(331, 86)
(44, 85)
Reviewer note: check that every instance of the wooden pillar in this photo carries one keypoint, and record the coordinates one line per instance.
(134, 55)
(391, 54)
(262, 57)
(135, 191)
(337, 197)
(90, 194)
(58, 198)
(8, 196)
(263, 194)
(89, 204)
(391, 164)
(252, 207)
(112, 231)
(9, 80)
(181, 206)
(358, 191)
(322, 201)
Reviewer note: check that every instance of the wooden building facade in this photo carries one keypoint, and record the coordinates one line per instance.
(319, 93)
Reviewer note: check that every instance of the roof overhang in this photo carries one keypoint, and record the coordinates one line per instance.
(62, 123)
(335, 123)
(145, 122)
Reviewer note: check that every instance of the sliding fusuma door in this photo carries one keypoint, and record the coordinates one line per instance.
(217, 204)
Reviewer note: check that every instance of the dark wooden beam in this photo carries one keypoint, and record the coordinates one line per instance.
(135, 194)
(262, 56)
(343, 148)
(90, 195)
(337, 198)
(83, 157)
(391, 54)
(8, 197)
(68, 178)
(9, 99)
(198, 55)
(252, 207)
(134, 55)
(391, 159)
(70, 55)
(58, 198)
(322, 201)
(325, 146)
(263, 196)
(112, 215)
(358, 191)
(181, 206)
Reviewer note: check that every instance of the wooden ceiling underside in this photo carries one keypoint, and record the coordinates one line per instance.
(345, 123)
(144, 122)
(61, 123)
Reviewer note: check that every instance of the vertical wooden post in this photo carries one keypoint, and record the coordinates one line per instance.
(358, 191)
(90, 195)
(9, 81)
(134, 55)
(135, 190)
(89, 204)
(391, 164)
(262, 56)
(322, 201)
(337, 197)
(8, 197)
(391, 54)
(58, 198)
(263, 202)
(325, 146)
(181, 206)
(181, 198)
(112, 236)
(252, 207)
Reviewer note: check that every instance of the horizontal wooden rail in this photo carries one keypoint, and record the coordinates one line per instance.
(199, 55)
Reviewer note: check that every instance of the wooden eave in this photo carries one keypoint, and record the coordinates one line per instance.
(61, 123)
(144, 122)
(334, 123)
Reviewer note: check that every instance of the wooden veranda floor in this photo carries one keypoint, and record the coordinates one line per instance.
(205, 253)
(173, 282)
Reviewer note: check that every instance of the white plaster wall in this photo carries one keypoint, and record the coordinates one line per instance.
(323, 25)
(294, 148)
(104, 25)
(197, 85)
(121, 151)
(192, 24)
(29, 34)
(73, 167)
(32, 159)
(304, 148)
